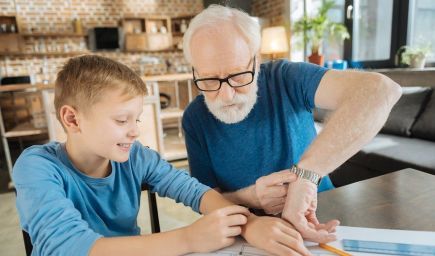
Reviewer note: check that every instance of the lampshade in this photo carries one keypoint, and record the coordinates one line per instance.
(274, 40)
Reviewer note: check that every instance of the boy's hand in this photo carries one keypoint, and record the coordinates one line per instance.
(274, 235)
(216, 230)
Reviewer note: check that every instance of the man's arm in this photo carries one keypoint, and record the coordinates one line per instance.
(361, 103)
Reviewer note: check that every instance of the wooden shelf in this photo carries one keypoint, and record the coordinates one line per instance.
(24, 129)
(171, 113)
(21, 87)
(39, 54)
(174, 146)
(52, 35)
(168, 77)
(149, 51)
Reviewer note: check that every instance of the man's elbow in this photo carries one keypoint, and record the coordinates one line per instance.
(390, 91)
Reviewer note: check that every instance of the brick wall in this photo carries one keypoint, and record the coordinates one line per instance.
(57, 16)
(273, 11)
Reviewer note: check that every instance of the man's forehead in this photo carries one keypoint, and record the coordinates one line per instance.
(219, 52)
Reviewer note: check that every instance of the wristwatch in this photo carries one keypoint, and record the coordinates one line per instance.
(306, 174)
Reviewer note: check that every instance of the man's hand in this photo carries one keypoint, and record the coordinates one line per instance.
(274, 235)
(270, 191)
(217, 229)
(300, 210)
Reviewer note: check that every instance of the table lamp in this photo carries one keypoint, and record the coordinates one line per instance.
(274, 41)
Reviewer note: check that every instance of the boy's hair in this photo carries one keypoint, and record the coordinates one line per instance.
(82, 80)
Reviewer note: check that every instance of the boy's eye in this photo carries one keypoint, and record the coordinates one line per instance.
(121, 121)
(138, 121)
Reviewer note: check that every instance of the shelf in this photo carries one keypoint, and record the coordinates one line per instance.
(39, 54)
(20, 87)
(25, 129)
(174, 146)
(171, 113)
(52, 35)
(151, 51)
(168, 77)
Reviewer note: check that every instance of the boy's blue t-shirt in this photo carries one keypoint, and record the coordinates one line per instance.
(65, 211)
(271, 138)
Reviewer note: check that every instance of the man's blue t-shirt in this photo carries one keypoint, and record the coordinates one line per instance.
(65, 211)
(271, 138)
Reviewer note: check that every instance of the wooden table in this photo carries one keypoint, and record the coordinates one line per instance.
(400, 200)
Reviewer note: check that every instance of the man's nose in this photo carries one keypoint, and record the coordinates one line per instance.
(226, 92)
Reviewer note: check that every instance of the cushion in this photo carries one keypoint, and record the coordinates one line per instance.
(424, 127)
(406, 110)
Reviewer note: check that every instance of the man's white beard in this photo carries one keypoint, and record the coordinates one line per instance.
(236, 113)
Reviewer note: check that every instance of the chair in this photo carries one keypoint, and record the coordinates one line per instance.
(154, 218)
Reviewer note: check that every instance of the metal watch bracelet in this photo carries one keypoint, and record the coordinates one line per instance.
(306, 174)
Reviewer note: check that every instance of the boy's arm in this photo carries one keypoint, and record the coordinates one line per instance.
(155, 244)
(217, 229)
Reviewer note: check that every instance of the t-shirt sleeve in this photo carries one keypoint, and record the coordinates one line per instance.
(167, 181)
(198, 156)
(301, 81)
(55, 226)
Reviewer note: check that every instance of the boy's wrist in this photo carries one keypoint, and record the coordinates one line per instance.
(186, 239)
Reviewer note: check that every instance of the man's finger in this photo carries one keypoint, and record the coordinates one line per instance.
(330, 226)
(277, 191)
(318, 236)
(275, 209)
(310, 233)
(280, 177)
(311, 217)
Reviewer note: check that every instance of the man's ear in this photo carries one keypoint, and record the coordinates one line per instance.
(69, 118)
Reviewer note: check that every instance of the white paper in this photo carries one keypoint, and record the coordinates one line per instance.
(241, 247)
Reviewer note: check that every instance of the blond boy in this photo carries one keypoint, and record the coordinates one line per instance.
(82, 197)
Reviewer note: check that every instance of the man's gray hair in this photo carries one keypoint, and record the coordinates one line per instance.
(214, 16)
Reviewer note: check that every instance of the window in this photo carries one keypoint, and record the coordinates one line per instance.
(421, 18)
(379, 28)
(372, 25)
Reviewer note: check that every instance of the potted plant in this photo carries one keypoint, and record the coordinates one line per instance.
(316, 28)
(414, 56)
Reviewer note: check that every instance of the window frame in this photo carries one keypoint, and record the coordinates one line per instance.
(399, 32)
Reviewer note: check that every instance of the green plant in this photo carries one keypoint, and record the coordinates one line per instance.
(411, 53)
(315, 28)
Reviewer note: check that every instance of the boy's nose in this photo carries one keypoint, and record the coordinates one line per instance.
(134, 131)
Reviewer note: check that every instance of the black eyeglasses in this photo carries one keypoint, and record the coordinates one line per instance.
(234, 80)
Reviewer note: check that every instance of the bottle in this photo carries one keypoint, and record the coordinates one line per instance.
(183, 26)
(77, 25)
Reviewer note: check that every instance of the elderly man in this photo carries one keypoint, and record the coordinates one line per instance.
(253, 123)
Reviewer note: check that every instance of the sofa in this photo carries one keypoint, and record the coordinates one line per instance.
(407, 140)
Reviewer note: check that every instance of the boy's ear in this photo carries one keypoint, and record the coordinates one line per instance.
(69, 118)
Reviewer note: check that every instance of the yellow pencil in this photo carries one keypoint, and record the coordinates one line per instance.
(334, 250)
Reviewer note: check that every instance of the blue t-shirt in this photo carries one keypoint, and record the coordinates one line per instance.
(65, 211)
(271, 138)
